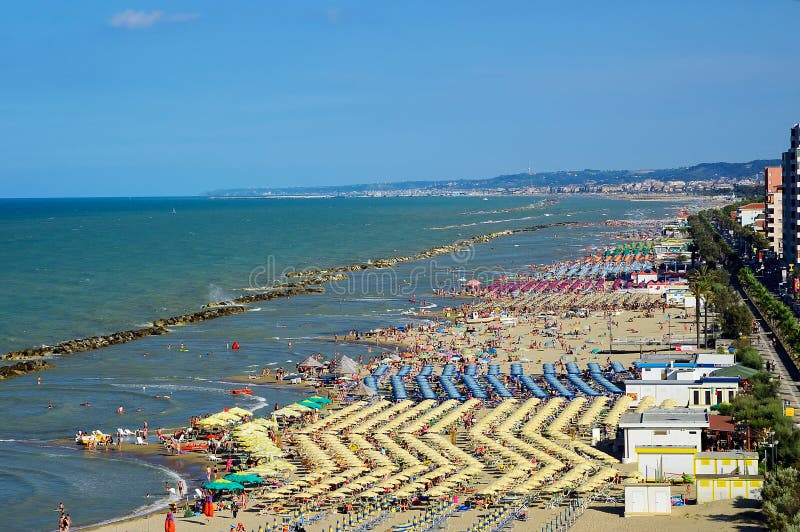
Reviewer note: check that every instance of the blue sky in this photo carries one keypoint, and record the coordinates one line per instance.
(169, 98)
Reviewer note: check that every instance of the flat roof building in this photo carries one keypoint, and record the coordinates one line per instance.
(663, 431)
(790, 171)
(701, 393)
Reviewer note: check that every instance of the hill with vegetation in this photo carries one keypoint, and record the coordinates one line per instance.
(728, 172)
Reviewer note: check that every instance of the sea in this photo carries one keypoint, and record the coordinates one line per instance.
(80, 267)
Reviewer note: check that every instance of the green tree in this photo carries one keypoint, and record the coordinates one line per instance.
(781, 496)
(701, 284)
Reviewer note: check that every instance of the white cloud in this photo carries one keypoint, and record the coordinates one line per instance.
(137, 20)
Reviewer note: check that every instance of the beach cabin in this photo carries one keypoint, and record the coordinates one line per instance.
(647, 499)
(672, 432)
(713, 488)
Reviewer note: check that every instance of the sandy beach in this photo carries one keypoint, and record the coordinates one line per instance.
(544, 331)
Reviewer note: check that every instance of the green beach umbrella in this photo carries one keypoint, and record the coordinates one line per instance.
(310, 404)
(320, 400)
(244, 478)
(223, 485)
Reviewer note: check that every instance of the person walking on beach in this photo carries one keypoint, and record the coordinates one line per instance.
(208, 473)
(181, 488)
(169, 523)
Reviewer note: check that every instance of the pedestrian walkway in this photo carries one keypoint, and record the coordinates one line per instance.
(789, 389)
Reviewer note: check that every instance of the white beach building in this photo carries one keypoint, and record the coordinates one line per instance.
(663, 438)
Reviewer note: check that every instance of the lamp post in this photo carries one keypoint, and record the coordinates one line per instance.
(774, 447)
(669, 332)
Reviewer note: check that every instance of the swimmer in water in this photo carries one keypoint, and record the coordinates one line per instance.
(86, 404)
(49, 405)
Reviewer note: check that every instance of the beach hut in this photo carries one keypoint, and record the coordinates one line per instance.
(309, 363)
(344, 365)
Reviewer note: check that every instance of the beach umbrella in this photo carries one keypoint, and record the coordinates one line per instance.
(223, 485)
(239, 411)
(244, 478)
(310, 404)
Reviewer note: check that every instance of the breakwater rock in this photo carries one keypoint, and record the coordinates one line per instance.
(85, 344)
(23, 368)
(160, 326)
(286, 290)
(455, 248)
(204, 315)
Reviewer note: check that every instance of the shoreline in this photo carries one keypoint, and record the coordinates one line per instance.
(577, 330)
(309, 282)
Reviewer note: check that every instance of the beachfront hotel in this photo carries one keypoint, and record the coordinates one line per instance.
(791, 209)
(773, 189)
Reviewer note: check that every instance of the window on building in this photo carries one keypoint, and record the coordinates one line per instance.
(708, 397)
(696, 397)
(659, 432)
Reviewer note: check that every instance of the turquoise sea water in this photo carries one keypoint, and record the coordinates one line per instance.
(78, 267)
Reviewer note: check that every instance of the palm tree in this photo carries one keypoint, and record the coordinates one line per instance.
(700, 284)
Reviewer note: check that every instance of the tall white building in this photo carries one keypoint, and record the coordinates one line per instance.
(791, 199)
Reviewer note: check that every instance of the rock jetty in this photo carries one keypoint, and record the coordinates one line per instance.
(308, 282)
(429, 253)
(160, 326)
(23, 368)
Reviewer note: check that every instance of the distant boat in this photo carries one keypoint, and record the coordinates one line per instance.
(174, 211)
(485, 199)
